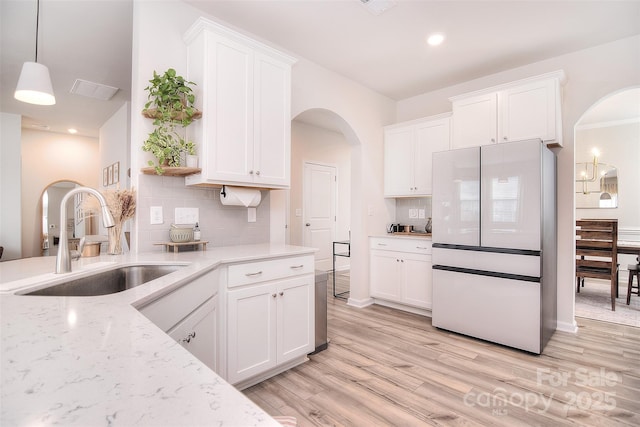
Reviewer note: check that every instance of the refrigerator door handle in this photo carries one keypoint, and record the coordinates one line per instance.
(497, 274)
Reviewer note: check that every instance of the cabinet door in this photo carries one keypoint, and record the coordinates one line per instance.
(529, 111)
(296, 318)
(475, 121)
(429, 138)
(229, 156)
(271, 121)
(385, 275)
(398, 162)
(251, 331)
(197, 333)
(416, 289)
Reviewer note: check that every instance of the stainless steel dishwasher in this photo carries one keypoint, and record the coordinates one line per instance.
(321, 311)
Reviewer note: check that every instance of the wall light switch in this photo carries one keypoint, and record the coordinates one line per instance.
(298, 212)
(251, 214)
(156, 215)
(413, 213)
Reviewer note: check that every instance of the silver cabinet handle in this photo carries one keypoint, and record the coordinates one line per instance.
(505, 138)
(281, 293)
(250, 172)
(257, 172)
(257, 273)
(297, 266)
(421, 247)
(274, 295)
(382, 244)
(189, 337)
(493, 140)
(308, 224)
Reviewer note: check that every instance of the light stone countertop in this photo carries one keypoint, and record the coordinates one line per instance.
(98, 361)
(426, 236)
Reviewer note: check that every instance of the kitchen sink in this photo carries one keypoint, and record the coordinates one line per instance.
(108, 282)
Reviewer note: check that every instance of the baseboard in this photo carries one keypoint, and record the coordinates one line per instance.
(271, 373)
(571, 327)
(360, 303)
(403, 307)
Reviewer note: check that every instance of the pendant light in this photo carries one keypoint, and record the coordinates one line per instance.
(34, 85)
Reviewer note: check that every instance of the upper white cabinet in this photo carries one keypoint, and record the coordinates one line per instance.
(408, 148)
(525, 109)
(243, 88)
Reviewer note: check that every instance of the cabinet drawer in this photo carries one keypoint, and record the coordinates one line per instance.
(413, 245)
(262, 271)
(170, 309)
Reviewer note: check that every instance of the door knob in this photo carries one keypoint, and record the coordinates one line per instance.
(308, 224)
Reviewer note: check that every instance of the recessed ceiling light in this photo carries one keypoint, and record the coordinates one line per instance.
(435, 39)
(72, 130)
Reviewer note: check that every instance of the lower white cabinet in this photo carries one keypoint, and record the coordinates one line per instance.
(270, 324)
(198, 332)
(400, 271)
(189, 315)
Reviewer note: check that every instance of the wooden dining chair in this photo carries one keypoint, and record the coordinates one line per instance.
(634, 271)
(597, 253)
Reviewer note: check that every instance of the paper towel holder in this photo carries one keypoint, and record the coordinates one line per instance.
(223, 192)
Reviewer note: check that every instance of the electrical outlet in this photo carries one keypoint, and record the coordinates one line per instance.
(421, 213)
(251, 214)
(413, 213)
(187, 215)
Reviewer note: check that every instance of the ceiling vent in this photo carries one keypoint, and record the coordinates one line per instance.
(93, 90)
(378, 6)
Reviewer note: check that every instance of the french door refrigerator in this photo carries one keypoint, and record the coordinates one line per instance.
(494, 243)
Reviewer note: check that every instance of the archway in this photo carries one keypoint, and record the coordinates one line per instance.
(319, 202)
(611, 126)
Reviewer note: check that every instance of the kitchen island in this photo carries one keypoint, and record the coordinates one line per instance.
(99, 361)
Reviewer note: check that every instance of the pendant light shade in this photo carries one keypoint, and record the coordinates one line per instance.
(34, 85)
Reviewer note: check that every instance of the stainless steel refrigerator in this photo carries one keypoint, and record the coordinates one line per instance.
(494, 243)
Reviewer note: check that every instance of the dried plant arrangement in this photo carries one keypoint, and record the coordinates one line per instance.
(122, 205)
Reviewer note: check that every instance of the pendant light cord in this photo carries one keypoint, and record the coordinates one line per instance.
(37, 25)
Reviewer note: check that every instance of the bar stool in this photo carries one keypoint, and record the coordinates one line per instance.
(634, 270)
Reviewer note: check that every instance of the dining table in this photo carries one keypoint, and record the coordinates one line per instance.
(629, 247)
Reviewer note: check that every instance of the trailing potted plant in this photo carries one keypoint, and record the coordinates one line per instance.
(170, 105)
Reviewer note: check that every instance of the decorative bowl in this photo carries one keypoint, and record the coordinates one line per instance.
(180, 233)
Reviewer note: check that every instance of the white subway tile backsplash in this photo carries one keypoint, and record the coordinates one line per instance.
(220, 225)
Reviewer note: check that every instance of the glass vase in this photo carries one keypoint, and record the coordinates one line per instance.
(115, 239)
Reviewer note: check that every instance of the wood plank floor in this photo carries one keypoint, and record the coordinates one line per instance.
(386, 367)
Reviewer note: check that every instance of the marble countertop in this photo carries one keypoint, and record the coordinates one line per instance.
(98, 361)
(405, 235)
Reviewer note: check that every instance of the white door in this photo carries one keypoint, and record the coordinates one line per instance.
(296, 318)
(319, 217)
(475, 121)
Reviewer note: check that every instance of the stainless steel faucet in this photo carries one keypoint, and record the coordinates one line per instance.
(63, 259)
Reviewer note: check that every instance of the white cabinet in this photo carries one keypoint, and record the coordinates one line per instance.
(270, 317)
(408, 148)
(525, 109)
(188, 314)
(244, 90)
(198, 332)
(400, 271)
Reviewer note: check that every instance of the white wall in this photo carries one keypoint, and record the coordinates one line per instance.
(48, 157)
(10, 195)
(591, 75)
(115, 144)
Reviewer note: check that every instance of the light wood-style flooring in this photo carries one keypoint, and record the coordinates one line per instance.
(386, 367)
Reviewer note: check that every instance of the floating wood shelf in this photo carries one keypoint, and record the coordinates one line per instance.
(152, 113)
(172, 171)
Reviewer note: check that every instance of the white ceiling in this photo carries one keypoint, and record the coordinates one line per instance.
(91, 39)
